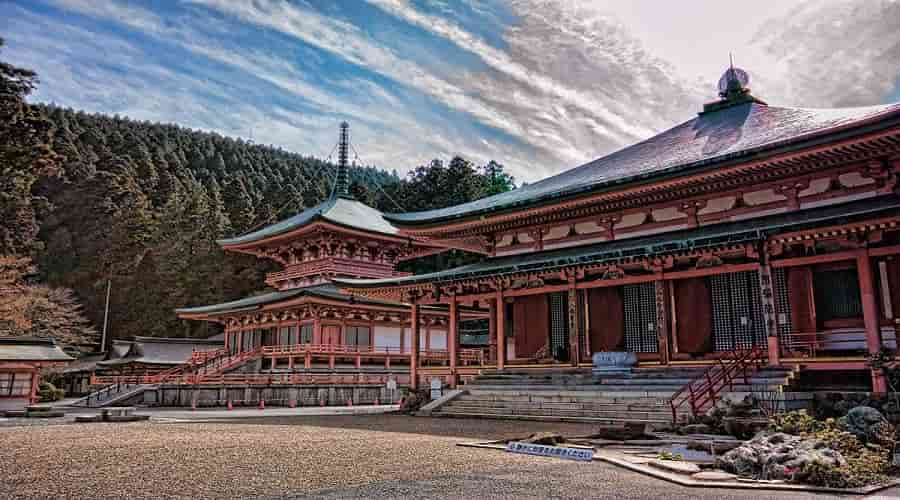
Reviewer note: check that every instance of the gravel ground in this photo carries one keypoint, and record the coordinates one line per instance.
(384, 456)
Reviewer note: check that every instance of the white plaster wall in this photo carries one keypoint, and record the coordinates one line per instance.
(588, 227)
(438, 339)
(853, 179)
(667, 214)
(510, 348)
(717, 205)
(557, 232)
(764, 196)
(387, 336)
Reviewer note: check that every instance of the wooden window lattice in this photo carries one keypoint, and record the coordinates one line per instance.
(640, 318)
(559, 325)
(737, 311)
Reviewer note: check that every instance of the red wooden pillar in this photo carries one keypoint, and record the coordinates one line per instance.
(870, 317)
(317, 331)
(574, 324)
(35, 382)
(500, 326)
(414, 352)
(767, 294)
(662, 321)
(453, 339)
(492, 331)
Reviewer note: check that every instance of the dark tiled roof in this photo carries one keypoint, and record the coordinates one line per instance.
(341, 211)
(162, 351)
(326, 291)
(24, 349)
(706, 236)
(702, 142)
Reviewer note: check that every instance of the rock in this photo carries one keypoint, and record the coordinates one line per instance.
(778, 456)
(696, 429)
(713, 475)
(625, 432)
(550, 438)
(679, 466)
(744, 427)
(867, 424)
(713, 447)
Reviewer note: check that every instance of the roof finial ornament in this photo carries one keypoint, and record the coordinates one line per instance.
(733, 89)
(342, 180)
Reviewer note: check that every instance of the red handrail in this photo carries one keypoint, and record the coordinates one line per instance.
(706, 388)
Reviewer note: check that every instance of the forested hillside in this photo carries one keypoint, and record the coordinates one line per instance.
(90, 198)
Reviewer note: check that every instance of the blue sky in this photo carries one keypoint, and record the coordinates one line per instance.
(539, 85)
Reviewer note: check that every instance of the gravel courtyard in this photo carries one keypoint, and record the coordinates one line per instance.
(385, 456)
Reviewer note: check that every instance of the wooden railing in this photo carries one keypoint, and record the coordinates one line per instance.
(260, 379)
(702, 392)
(299, 349)
(840, 340)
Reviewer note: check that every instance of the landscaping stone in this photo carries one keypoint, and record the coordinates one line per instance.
(696, 429)
(548, 438)
(713, 475)
(623, 432)
(778, 456)
(714, 447)
(678, 466)
(866, 423)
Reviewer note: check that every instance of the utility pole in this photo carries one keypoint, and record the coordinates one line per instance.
(105, 316)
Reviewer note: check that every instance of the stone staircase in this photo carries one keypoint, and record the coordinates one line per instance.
(112, 395)
(569, 396)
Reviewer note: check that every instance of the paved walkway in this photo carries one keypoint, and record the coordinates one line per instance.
(325, 456)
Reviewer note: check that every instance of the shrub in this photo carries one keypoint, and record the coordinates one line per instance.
(866, 463)
(48, 393)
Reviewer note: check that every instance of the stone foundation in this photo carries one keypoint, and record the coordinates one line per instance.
(251, 395)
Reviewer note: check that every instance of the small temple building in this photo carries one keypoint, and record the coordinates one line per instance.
(306, 325)
(749, 227)
(21, 361)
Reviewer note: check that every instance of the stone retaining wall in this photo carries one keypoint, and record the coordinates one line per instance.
(251, 395)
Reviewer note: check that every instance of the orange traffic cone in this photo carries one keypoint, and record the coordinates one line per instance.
(262, 404)
(292, 403)
(376, 401)
(349, 402)
(230, 406)
(321, 402)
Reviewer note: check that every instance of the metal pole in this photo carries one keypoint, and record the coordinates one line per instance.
(105, 316)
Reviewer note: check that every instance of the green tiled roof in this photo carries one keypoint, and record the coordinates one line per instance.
(704, 142)
(327, 291)
(705, 236)
(342, 211)
(23, 349)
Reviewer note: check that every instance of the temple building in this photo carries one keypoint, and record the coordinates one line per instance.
(307, 326)
(21, 362)
(749, 228)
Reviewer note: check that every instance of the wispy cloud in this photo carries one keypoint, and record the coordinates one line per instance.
(540, 85)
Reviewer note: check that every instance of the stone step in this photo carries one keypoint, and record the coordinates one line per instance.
(651, 389)
(543, 418)
(609, 415)
(563, 406)
(526, 410)
(586, 397)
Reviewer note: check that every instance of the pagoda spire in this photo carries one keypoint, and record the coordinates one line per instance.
(342, 180)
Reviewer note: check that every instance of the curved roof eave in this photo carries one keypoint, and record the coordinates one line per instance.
(827, 122)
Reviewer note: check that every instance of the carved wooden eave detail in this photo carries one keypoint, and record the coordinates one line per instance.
(877, 146)
(859, 231)
(612, 269)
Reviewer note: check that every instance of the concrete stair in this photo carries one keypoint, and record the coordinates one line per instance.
(640, 396)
